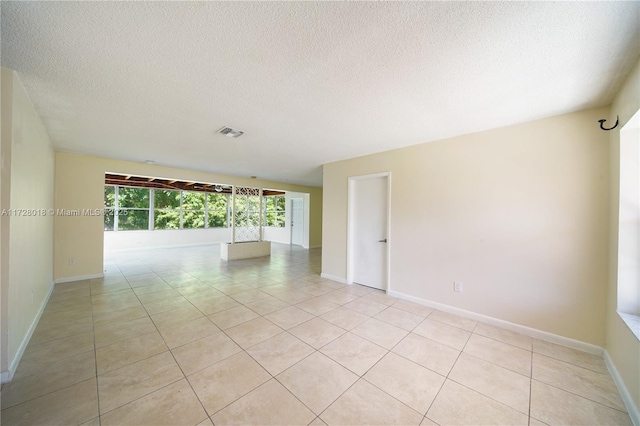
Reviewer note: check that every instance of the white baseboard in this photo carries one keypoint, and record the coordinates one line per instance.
(517, 328)
(78, 278)
(333, 278)
(13, 366)
(632, 408)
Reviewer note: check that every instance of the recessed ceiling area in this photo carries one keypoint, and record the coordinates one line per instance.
(308, 82)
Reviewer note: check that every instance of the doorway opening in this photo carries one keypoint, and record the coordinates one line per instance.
(297, 221)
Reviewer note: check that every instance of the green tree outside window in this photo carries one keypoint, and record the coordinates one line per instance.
(274, 211)
(193, 209)
(217, 206)
(167, 209)
(109, 207)
(133, 209)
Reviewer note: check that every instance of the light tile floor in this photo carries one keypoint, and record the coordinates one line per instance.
(178, 337)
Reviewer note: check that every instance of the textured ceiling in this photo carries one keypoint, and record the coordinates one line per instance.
(309, 82)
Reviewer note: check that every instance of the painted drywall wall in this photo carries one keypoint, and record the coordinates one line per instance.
(30, 276)
(276, 235)
(518, 214)
(6, 111)
(621, 344)
(125, 240)
(80, 183)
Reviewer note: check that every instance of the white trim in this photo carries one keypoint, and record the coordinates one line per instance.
(8, 375)
(333, 278)
(388, 243)
(350, 208)
(632, 322)
(350, 228)
(78, 278)
(522, 329)
(632, 408)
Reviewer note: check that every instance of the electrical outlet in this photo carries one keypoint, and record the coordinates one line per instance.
(457, 286)
(72, 261)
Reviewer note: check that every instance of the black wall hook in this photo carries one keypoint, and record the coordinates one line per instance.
(610, 128)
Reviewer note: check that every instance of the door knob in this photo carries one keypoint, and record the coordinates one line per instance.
(382, 241)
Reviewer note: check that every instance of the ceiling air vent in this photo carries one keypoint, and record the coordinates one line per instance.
(232, 133)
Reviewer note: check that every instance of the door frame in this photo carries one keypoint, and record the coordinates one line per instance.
(351, 228)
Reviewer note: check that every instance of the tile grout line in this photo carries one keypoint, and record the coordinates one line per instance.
(184, 376)
(69, 356)
(297, 362)
(342, 305)
(172, 355)
(144, 359)
(95, 348)
(359, 376)
(448, 373)
(579, 396)
(473, 390)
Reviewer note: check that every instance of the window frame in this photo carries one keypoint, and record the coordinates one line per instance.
(628, 262)
(117, 209)
(279, 215)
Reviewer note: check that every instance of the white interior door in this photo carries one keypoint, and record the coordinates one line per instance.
(369, 235)
(297, 221)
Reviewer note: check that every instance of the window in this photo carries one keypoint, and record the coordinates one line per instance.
(629, 226)
(131, 208)
(218, 210)
(167, 209)
(109, 207)
(193, 210)
(274, 211)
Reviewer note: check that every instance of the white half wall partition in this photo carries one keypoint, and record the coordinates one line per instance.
(125, 240)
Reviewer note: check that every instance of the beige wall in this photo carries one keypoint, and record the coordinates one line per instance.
(622, 346)
(518, 214)
(30, 263)
(6, 95)
(80, 183)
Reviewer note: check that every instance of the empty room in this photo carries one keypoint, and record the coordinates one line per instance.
(320, 213)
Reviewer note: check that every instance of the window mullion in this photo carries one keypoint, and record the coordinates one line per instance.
(228, 210)
(152, 196)
(206, 210)
(116, 208)
(181, 196)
